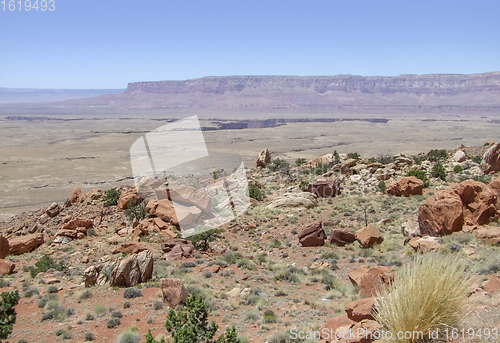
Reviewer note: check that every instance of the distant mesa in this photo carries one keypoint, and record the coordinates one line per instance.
(454, 93)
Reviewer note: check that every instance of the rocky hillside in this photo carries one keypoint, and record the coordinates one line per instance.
(345, 93)
(318, 242)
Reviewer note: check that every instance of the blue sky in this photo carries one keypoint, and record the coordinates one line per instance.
(108, 43)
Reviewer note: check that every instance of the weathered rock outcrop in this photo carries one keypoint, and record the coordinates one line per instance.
(312, 235)
(479, 202)
(405, 186)
(4, 247)
(20, 245)
(126, 196)
(369, 236)
(294, 201)
(76, 196)
(324, 187)
(341, 237)
(133, 269)
(263, 158)
(191, 197)
(491, 160)
(441, 214)
(164, 209)
(174, 292)
(122, 271)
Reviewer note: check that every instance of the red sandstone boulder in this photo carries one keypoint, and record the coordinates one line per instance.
(341, 237)
(492, 286)
(405, 186)
(358, 310)
(76, 196)
(375, 280)
(78, 222)
(324, 187)
(180, 215)
(479, 202)
(491, 160)
(174, 292)
(333, 324)
(126, 196)
(441, 214)
(4, 247)
(6, 267)
(312, 235)
(191, 196)
(368, 236)
(355, 275)
(20, 245)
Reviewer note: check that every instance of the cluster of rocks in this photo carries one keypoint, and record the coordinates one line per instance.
(137, 267)
(314, 235)
(358, 316)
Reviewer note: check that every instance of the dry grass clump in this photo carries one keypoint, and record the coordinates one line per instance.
(426, 296)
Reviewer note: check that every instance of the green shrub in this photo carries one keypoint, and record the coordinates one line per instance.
(255, 192)
(436, 155)
(135, 210)
(336, 157)
(300, 161)
(84, 295)
(321, 169)
(381, 186)
(201, 240)
(419, 174)
(100, 310)
(190, 324)
(7, 312)
(353, 155)
(438, 171)
(458, 169)
(113, 323)
(132, 292)
(89, 336)
(43, 264)
(278, 165)
(478, 159)
(269, 317)
(385, 159)
(481, 178)
(149, 338)
(425, 296)
(111, 197)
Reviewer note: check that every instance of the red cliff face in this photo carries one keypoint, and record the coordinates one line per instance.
(407, 93)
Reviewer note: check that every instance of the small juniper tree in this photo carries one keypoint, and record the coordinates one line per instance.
(111, 197)
(149, 338)
(190, 324)
(202, 239)
(8, 313)
(135, 210)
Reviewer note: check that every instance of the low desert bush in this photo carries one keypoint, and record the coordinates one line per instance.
(132, 292)
(130, 335)
(111, 197)
(425, 296)
(99, 310)
(43, 264)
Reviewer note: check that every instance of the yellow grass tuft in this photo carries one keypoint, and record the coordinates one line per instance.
(425, 296)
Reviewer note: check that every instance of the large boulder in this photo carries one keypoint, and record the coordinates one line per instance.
(294, 201)
(341, 237)
(76, 196)
(488, 234)
(191, 196)
(360, 309)
(441, 214)
(345, 167)
(133, 269)
(328, 329)
(409, 228)
(178, 215)
(78, 222)
(405, 186)
(479, 202)
(459, 156)
(174, 292)
(53, 210)
(368, 236)
(312, 235)
(126, 196)
(263, 158)
(376, 279)
(6, 267)
(20, 245)
(324, 187)
(491, 160)
(425, 244)
(4, 247)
